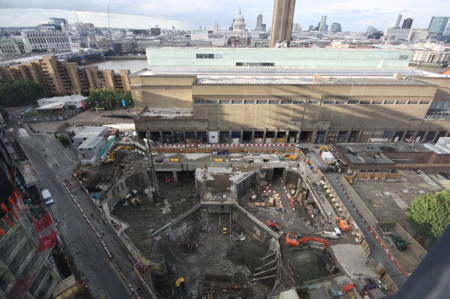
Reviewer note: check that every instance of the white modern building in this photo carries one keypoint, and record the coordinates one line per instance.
(396, 34)
(9, 47)
(52, 41)
(430, 57)
(90, 132)
(418, 35)
(89, 150)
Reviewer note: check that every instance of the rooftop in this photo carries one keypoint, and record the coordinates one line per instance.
(295, 80)
(87, 132)
(28, 173)
(90, 142)
(65, 99)
(51, 106)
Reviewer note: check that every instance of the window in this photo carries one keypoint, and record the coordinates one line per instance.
(328, 102)
(313, 102)
(249, 101)
(400, 102)
(424, 102)
(255, 64)
(261, 102)
(284, 102)
(212, 102)
(412, 102)
(353, 102)
(341, 102)
(364, 102)
(204, 56)
(224, 102)
(199, 101)
(299, 102)
(275, 102)
(377, 102)
(403, 57)
(389, 102)
(236, 102)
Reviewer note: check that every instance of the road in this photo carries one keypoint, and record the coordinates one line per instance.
(111, 277)
(377, 253)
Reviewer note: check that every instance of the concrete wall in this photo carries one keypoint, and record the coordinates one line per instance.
(359, 203)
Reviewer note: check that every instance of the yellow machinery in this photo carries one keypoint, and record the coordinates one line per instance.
(291, 157)
(179, 282)
(112, 156)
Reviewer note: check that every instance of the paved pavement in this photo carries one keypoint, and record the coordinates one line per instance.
(112, 277)
(377, 253)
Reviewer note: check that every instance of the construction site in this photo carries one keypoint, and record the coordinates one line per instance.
(227, 221)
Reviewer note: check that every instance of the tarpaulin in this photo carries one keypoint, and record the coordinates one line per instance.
(47, 242)
(42, 223)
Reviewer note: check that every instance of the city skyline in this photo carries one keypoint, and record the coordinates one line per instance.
(352, 15)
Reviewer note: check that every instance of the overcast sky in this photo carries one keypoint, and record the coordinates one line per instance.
(353, 15)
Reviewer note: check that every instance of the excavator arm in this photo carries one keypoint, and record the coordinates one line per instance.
(305, 240)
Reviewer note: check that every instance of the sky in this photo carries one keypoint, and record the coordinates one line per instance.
(353, 15)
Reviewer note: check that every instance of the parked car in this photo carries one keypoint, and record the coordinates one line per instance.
(47, 197)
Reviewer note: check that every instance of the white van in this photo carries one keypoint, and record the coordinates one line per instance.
(47, 197)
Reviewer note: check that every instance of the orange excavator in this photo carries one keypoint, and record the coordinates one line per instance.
(294, 240)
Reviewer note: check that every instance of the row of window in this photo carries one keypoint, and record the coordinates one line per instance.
(312, 102)
(46, 34)
(51, 40)
(208, 56)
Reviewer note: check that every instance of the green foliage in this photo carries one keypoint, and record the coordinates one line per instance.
(430, 214)
(108, 99)
(64, 140)
(15, 93)
(32, 113)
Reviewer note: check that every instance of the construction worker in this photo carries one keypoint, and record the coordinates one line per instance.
(180, 285)
(225, 230)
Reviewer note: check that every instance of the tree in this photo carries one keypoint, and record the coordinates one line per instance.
(430, 214)
(64, 140)
(107, 99)
(14, 93)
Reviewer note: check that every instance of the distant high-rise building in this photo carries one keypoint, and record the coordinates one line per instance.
(398, 21)
(259, 24)
(311, 27)
(323, 24)
(61, 23)
(407, 23)
(437, 25)
(259, 20)
(297, 27)
(216, 27)
(336, 27)
(282, 21)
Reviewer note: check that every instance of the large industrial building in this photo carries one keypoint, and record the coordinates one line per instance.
(59, 78)
(288, 95)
